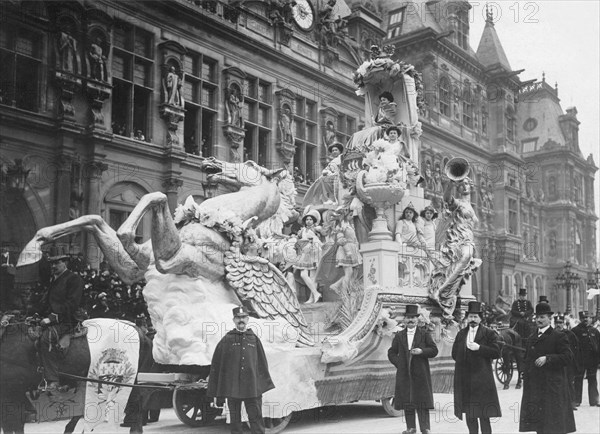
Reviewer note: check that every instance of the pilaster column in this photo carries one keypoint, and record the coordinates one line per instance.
(93, 172)
(63, 187)
(171, 186)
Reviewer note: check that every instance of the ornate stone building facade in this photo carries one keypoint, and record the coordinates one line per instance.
(104, 101)
(534, 188)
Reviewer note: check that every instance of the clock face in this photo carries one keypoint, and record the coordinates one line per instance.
(303, 14)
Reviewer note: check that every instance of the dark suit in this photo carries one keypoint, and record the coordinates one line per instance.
(59, 304)
(546, 405)
(413, 377)
(589, 344)
(475, 392)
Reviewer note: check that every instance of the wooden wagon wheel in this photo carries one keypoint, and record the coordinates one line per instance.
(275, 425)
(388, 406)
(504, 371)
(193, 408)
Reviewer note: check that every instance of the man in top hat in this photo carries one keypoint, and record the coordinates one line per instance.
(520, 314)
(589, 343)
(475, 395)
(546, 406)
(544, 299)
(575, 366)
(58, 306)
(240, 373)
(409, 353)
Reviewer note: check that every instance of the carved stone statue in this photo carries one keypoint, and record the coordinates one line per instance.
(97, 60)
(234, 108)
(286, 126)
(68, 59)
(172, 88)
(456, 261)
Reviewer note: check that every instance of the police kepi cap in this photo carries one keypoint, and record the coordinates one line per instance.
(240, 311)
(522, 291)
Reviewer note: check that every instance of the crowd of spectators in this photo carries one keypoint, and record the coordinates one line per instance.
(105, 295)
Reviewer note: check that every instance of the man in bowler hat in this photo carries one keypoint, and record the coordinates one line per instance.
(409, 353)
(475, 395)
(240, 373)
(546, 403)
(589, 343)
(520, 314)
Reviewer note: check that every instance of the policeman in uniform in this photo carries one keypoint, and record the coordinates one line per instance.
(589, 342)
(520, 314)
(239, 372)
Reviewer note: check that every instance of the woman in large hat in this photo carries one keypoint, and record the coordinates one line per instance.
(309, 244)
(429, 226)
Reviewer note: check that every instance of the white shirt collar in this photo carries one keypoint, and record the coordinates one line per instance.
(411, 331)
(540, 331)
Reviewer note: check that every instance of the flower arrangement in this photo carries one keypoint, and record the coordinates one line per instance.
(221, 220)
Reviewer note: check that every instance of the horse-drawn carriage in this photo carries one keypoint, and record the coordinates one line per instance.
(202, 261)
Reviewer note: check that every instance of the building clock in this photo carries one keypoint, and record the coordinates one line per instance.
(304, 14)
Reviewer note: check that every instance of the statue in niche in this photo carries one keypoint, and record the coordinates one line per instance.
(552, 244)
(285, 126)
(329, 134)
(97, 60)
(234, 108)
(67, 52)
(172, 88)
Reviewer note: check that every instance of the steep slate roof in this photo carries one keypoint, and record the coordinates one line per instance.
(490, 51)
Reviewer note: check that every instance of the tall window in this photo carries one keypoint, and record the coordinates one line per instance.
(484, 120)
(467, 109)
(200, 92)
(462, 28)
(395, 24)
(258, 104)
(510, 123)
(346, 127)
(306, 138)
(133, 81)
(20, 64)
(512, 216)
(445, 96)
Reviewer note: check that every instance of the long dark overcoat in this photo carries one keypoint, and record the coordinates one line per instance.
(239, 367)
(474, 385)
(546, 404)
(63, 297)
(413, 377)
(589, 344)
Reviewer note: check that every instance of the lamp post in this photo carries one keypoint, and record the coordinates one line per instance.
(595, 283)
(568, 279)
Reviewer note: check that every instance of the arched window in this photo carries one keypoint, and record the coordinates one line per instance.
(444, 96)
(120, 201)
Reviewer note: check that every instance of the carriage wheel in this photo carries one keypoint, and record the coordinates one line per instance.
(193, 408)
(504, 371)
(275, 425)
(388, 406)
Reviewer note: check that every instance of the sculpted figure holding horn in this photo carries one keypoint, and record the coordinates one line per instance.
(455, 262)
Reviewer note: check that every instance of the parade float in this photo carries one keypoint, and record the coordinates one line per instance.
(204, 259)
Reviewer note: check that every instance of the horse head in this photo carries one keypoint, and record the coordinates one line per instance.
(239, 175)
